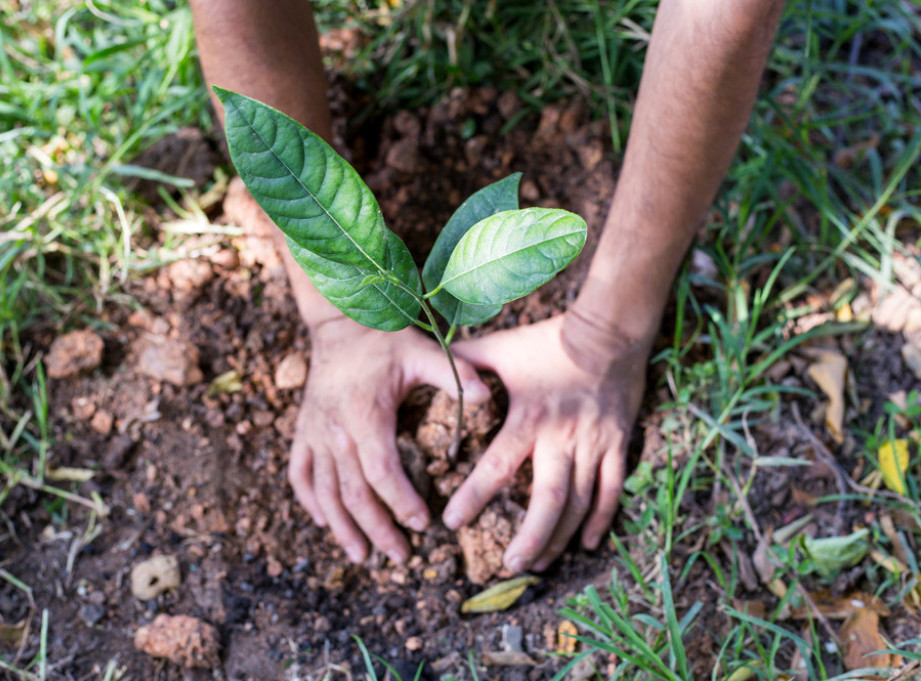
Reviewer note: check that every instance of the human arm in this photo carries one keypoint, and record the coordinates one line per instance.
(703, 65)
(344, 465)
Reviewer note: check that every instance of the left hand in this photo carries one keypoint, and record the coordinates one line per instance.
(574, 424)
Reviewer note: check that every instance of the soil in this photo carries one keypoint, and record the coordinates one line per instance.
(185, 420)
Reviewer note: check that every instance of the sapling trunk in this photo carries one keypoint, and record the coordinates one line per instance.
(489, 253)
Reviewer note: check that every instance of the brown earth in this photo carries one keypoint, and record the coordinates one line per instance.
(194, 467)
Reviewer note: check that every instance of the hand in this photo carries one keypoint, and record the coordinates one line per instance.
(574, 424)
(345, 468)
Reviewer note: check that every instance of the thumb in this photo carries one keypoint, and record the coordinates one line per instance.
(433, 368)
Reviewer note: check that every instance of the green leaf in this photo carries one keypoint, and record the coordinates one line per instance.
(832, 554)
(309, 191)
(494, 198)
(367, 297)
(509, 254)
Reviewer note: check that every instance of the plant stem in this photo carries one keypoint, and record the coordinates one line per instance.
(456, 440)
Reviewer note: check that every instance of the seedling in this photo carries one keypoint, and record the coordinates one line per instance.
(489, 253)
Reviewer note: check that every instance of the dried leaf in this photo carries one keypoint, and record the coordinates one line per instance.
(859, 637)
(11, 634)
(566, 641)
(498, 597)
(835, 608)
(893, 462)
(829, 372)
(227, 383)
(68, 474)
(761, 559)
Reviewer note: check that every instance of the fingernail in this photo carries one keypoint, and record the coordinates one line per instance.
(418, 523)
(355, 553)
(515, 564)
(396, 556)
(453, 521)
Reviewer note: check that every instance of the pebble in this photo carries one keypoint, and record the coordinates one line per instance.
(102, 422)
(74, 353)
(91, 614)
(291, 372)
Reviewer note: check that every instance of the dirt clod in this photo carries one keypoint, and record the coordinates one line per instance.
(167, 359)
(154, 576)
(181, 639)
(74, 353)
(484, 541)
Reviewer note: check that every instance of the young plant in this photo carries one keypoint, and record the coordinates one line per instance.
(489, 253)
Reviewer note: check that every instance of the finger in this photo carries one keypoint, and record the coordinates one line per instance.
(300, 475)
(382, 469)
(341, 524)
(500, 461)
(585, 471)
(549, 496)
(607, 496)
(363, 505)
(431, 367)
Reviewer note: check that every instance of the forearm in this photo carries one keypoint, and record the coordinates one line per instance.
(270, 51)
(699, 83)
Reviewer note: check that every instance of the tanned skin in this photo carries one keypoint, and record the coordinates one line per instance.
(573, 420)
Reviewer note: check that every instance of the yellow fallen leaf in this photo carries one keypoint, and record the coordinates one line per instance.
(566, 641)
(829, 372)
(226, 384)
(749, 671)
(893, 462)
(498, 597)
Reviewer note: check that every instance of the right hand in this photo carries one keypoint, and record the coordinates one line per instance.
(345, 468)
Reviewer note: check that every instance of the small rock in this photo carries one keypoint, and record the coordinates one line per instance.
(508, 104)
(102, 422)
(92, 613)
(171, 360)
(512, 635)
(291, 372)
(414, 643)
(188, 276)
(83, 408)
(286, 424)
(141, 503)
(274, 568)
(912, 356)
(403, 156)
(591, 153)
(321, 624)
(153, 576)
(74, 352)
(183, 640)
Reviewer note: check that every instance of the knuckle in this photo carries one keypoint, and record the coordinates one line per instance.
(498, 468)
(354, 495)
(381, 470)
(579, 505)
(556, 495)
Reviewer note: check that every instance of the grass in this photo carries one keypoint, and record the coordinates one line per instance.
(826, 189)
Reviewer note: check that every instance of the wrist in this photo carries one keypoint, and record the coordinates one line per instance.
(596, 343)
